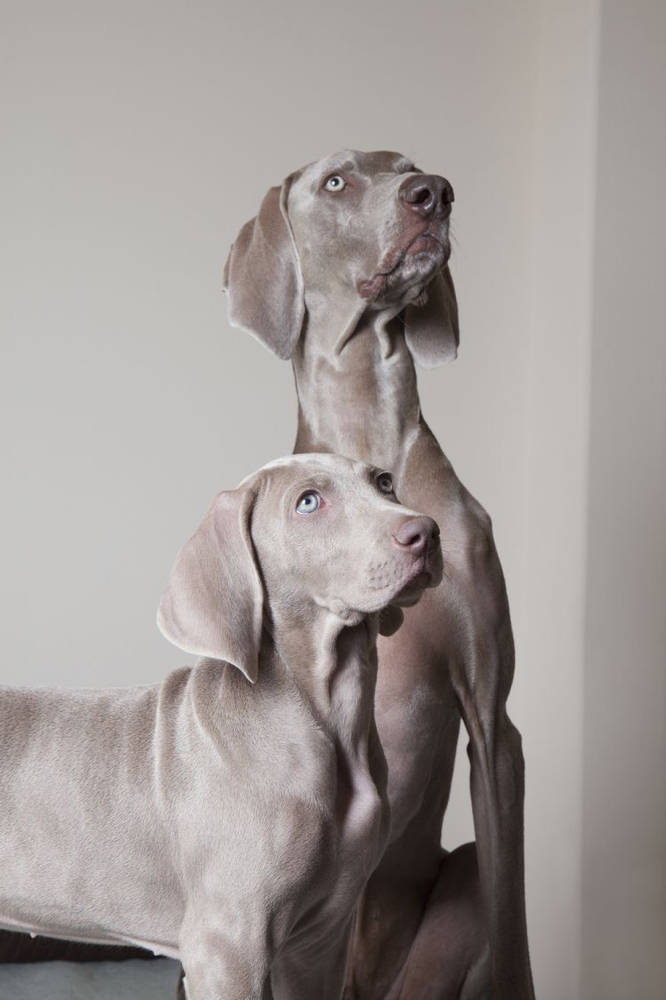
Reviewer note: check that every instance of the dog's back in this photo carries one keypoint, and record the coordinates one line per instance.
(76, 778)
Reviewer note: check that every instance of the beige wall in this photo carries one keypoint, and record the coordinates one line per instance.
(624, 883)
(138, 138)
(551, 611)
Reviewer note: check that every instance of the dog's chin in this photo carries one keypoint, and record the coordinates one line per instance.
(412, 591)
(391, 617)
(408, 283)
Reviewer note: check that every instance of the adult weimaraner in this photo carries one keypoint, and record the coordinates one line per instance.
(231, 815)
(344, 270)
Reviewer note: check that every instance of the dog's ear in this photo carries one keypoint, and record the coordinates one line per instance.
(213, 603)
(431, 330)
(262, 277)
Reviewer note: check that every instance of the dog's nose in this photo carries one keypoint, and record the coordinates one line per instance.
(417, 534)
(426, 194)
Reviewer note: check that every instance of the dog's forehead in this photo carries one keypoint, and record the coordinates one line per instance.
(300, 466)
(370, 163)
(283, 472)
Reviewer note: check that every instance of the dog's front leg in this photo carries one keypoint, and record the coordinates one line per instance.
(219, 964)
(449, 956)
(314, 973)
(481, 664)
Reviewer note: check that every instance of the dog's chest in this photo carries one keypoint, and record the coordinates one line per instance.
(360, 806)
(361, 821)
(361, 812)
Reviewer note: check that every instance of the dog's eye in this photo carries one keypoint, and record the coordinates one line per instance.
(308, 503)
(385, 483)
(335, 183)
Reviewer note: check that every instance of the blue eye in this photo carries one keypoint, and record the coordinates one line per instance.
(308, 503)
(385, 483)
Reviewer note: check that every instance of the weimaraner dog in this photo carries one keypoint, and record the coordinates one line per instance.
(231, 815)
(345, 271)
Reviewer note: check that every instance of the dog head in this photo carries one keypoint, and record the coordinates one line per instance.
(305, 533)
(368, 230)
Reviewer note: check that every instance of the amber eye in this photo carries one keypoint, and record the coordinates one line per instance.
(335, 183)
(309, 503)
(385, 483)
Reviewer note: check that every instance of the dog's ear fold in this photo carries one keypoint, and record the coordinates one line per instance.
(213, 603)
(431, 330)
(262, 277)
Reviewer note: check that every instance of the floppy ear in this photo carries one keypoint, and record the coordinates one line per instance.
(262, 277)
(213, 602)
(431, 330)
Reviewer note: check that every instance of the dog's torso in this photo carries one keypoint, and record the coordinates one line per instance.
(123, 810)
(78, 830)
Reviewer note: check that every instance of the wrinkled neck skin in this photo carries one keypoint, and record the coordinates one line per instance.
(334, 667)
(356, 385)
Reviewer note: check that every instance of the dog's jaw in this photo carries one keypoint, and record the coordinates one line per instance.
(406, 272)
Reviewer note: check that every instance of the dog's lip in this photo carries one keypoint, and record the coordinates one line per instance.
(420, 578)
(424, 243)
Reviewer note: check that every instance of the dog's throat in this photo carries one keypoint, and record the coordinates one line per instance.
(362, 401)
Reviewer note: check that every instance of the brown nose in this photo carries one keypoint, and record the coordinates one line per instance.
(427, 195)
(417, 534)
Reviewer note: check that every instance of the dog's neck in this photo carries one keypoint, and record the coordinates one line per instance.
(334, 667)
(333, 663)
(356, 387)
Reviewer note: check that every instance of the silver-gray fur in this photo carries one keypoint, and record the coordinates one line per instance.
(231, 815)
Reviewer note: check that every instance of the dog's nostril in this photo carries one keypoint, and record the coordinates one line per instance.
(421, 196)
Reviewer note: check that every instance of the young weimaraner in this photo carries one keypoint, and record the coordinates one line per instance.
(231, 815)
(344, 271)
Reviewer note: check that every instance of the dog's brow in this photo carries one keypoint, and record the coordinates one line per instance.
(317, 481)
(331, 168)
(406, 166)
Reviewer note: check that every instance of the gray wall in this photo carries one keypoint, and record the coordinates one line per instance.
(137, 139)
